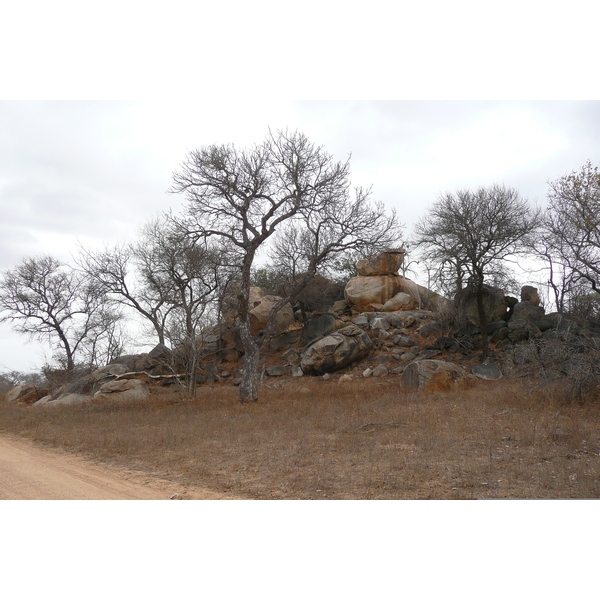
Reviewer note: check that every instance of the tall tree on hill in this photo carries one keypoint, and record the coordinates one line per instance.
(470, 235)
(243, 197)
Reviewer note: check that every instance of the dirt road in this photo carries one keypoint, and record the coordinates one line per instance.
(29, 472)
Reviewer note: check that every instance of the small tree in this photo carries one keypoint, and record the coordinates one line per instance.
(49, 301)
(190, 276)
(243, 197)
(469, 235)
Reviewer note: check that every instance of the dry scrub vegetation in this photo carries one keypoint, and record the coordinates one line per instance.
(317, 439)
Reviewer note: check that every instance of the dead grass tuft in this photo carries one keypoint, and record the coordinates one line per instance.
(310, 438)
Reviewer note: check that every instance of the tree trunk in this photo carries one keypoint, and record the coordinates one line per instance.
(249, 384)
(68, 352)
(192, 366)
(482, 320)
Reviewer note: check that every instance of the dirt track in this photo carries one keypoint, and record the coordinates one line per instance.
(28, 472)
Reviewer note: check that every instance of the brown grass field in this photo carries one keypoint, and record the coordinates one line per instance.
(311, 438)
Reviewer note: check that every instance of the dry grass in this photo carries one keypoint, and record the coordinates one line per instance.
(312, 438)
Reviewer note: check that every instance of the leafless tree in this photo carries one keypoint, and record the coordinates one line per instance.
(571, 233)
(125, 274)
(470, 234)
(244, 196)
(106, 341)
(190, 278)
(50, 301)
(313, 242)
(559, 278)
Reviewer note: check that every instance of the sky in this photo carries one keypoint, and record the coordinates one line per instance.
(91, 173)
(98, 108)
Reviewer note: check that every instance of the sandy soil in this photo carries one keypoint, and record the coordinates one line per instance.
(29, 472)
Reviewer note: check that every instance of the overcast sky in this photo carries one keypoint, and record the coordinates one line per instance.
(93, 172)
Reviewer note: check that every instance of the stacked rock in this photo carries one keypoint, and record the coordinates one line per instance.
(379, 287)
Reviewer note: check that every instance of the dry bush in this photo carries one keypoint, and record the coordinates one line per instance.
(311, 438)
(568, 361)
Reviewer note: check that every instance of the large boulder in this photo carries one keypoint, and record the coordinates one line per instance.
(319, 326)
(400, 301)
(26, 393)
(68, 399)
(336, 350)
(123, 390)
(488, 370)
(530, 294)
(385, 263)
(527, 311)
(260, 314)
(494, 303)
(366, 293)
(432, 375)
(112, 370)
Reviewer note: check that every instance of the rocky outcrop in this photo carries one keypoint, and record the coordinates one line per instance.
(336, 350)
(432, 375)
(26, 393)
(123, 390)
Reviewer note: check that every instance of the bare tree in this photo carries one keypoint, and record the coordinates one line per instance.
(49, 301)
(560, 279)
(190, 278)
(313, 242)
(571, 232)
(125, 274)
(470, 235)
(107, 340)
(244, 196)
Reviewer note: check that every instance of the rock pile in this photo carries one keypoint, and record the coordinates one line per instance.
(388, 326)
